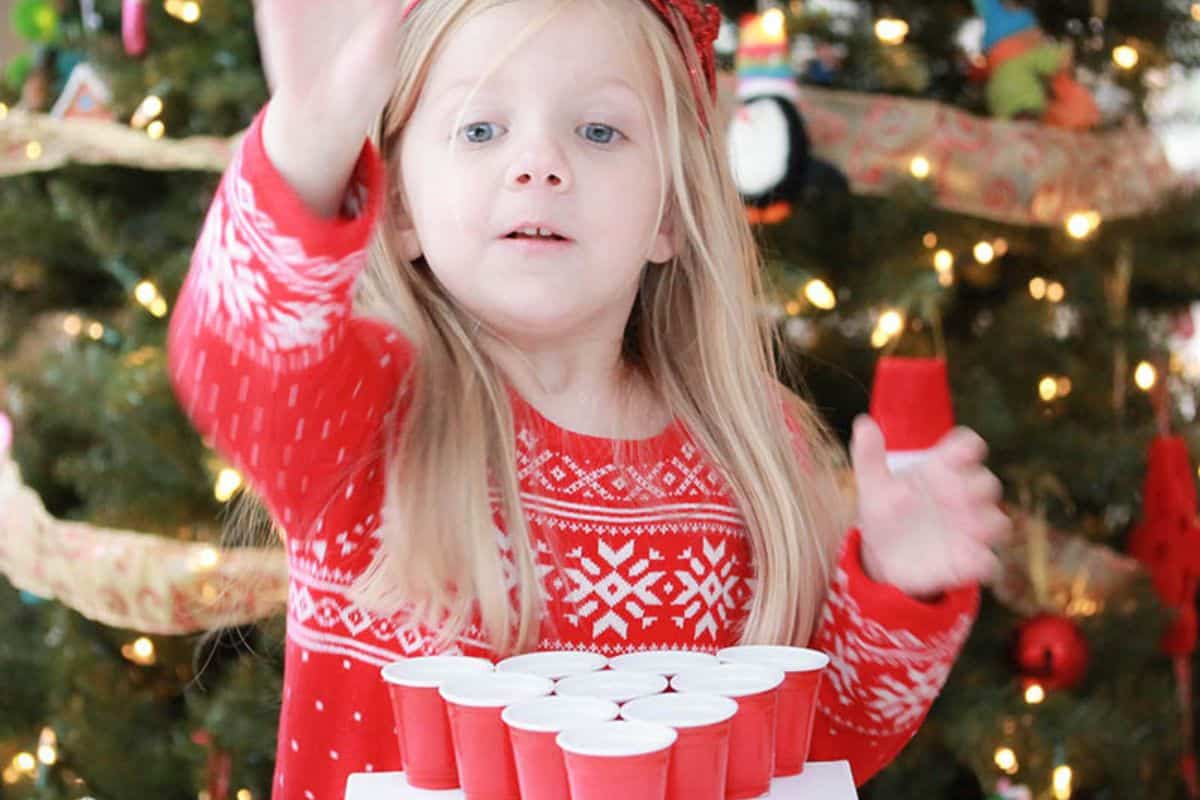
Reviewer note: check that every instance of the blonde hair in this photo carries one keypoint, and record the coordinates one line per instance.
(695, 334)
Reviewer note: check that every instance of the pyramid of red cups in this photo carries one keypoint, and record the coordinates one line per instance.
(654, 725)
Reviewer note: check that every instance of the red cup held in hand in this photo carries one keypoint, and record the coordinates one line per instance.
(802, 668)
(417, 706)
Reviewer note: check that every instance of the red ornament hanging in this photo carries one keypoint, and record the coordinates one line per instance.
(1051, 652)
(218, 767)
(133, 26)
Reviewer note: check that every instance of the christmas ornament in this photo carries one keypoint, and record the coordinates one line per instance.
(217, 768)
(86, 96)
(133, 27)
(768, 142)
(35, 20)
(1167, 541)
(1051, 651)
(910, 401)
(1029, 75)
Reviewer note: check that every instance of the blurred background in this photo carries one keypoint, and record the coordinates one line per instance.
(1007, 188)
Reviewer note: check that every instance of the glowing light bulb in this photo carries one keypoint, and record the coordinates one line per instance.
(1005, 759)
(891, 322)
(147, 110)
(943, 260)
(1034, 694)
(24, 762)
(930, 240)
(1082, 224)
(145, 293)
(228, 482)
(1145, 376)
(772, 24)
(890, 30)
(156, 129)
(1055, 292)
(1125, 57)
(820, 295)
(920, 167)
(1037, 288)
(984, 252)
(1048, 388)
(33, 150)
(95, 331)
(1062, 782)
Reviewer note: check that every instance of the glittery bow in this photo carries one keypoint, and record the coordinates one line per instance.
(700, 22)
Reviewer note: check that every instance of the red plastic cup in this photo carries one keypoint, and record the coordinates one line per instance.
(667, 663)
(481, 746)
(802, 668)
(416, 706)
(752, 740)
(554, 664)
(619, 687)
(700, 758)
(533, 726)
(618, 760)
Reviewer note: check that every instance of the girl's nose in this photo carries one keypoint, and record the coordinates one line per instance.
(542, 166)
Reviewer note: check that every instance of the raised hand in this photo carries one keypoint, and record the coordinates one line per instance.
(331, 65)
(928, 528)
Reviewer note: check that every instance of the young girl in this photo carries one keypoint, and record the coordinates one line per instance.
(549, 417)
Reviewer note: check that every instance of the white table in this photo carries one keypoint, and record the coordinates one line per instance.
(821, 780)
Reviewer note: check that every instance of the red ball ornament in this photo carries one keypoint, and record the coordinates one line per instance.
(1052, 652)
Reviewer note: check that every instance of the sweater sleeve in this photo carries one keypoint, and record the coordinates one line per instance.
(889, 655)
(264, 354)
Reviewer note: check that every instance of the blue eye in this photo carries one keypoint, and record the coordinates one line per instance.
(480, 132)
(599, 133)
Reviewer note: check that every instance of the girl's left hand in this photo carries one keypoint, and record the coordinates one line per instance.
(930, 527)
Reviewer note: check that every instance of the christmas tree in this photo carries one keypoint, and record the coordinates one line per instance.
(992, 185)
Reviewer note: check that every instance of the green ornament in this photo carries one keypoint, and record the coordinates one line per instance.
(35, 20)
(17, 70)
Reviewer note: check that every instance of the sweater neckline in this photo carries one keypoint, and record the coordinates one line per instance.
(670, 436)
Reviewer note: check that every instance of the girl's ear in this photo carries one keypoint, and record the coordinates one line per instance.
(664, 248)
(403, 232)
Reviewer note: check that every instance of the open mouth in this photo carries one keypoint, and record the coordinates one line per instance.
(536, 234)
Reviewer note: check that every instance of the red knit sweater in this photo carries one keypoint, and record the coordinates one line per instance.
(280, 377)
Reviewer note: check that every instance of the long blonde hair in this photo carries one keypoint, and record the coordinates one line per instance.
(696, 335)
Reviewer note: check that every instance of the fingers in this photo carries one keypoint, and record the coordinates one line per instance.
(984, 568)
(983, 487)
(991, 527)
(962, 447)
(868, 454)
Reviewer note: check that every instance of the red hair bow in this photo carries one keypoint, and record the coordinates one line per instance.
(703, 21)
